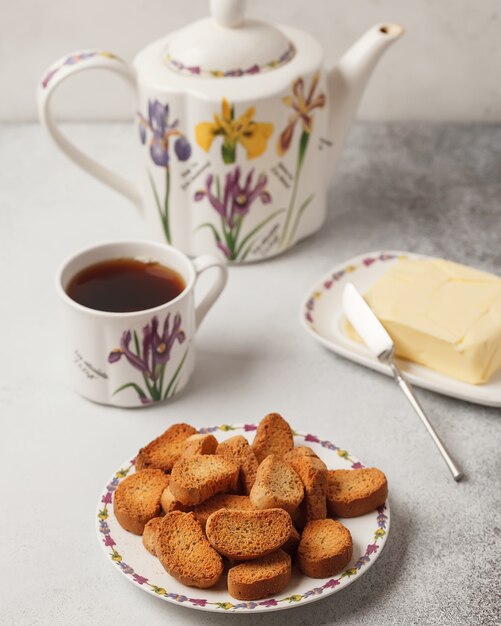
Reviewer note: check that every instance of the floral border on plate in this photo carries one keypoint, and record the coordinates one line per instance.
(337, 276)
(116, 557)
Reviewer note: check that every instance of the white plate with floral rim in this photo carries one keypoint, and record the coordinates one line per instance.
(128, 556)
(322, 316)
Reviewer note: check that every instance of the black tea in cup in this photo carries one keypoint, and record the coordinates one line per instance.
(125, 285)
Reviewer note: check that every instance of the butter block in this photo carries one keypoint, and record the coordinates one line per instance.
(441, 314)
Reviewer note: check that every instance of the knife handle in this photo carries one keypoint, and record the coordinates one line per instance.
(457, 474)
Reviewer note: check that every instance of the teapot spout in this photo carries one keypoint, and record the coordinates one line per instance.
(348, 79)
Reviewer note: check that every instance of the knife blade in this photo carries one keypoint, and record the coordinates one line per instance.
(365, 322)
(375, 336)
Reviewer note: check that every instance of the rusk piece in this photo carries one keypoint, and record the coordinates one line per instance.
(164, 451)
(356, 492)
(325, 548)
(292, 543)
(313, 473)
(301, 452)
(150, 534)
(239, 450)
(246, 535)
(276, 486)
(169, 502)
(185, 553)
(200, 477)
(273, 436)
(137, 499)
(221, 501)
(260, 578)
(299, 516)
(198, 444)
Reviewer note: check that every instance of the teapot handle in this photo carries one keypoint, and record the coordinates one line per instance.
(54, 76)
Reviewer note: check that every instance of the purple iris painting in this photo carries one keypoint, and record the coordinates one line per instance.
(233, 203)
(151, 357)
(161, 133)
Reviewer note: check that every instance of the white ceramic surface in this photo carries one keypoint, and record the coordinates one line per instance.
(242, 126)
(226, 41)
(135, 359)
(127, 554)
(322, 316)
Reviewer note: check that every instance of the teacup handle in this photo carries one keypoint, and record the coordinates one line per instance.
(51, 79)
(201, 264)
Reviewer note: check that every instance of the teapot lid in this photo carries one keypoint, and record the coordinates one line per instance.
(228, 44)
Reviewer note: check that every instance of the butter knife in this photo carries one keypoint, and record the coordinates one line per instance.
(379, 342)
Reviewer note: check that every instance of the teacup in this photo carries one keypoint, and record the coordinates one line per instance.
(137, 358)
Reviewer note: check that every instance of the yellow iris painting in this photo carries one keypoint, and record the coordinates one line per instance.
(252, 136)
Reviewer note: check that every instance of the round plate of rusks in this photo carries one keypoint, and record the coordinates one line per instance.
(243, 517)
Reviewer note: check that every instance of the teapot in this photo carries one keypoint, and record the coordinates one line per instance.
(241, 127)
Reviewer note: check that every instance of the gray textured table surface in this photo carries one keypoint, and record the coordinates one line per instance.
(431, 189)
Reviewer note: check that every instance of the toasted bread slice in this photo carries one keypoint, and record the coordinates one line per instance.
(200, 477)
(260, 578)
(356, 492)
(137, 499)
(301, 452)
(325, 548)
(239, 450)
(273, 436)
(313, 473)
(292, 543)
(246, 535)
(169, 502)
(277, 486)
(198, 444)
(164, 451)
(299, 516)
(185, 553)
(221, 501)
(150, 534)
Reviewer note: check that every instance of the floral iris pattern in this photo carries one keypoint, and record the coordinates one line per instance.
(252, 136)
(232, 204)
(302, 102)
(151, 357)
(161, 133)
(233, 193)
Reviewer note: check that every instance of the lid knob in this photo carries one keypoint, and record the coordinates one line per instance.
(228, 13)
(227, 44)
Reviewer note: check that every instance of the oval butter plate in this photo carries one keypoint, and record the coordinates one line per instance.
(322, 316)
(126, 553)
